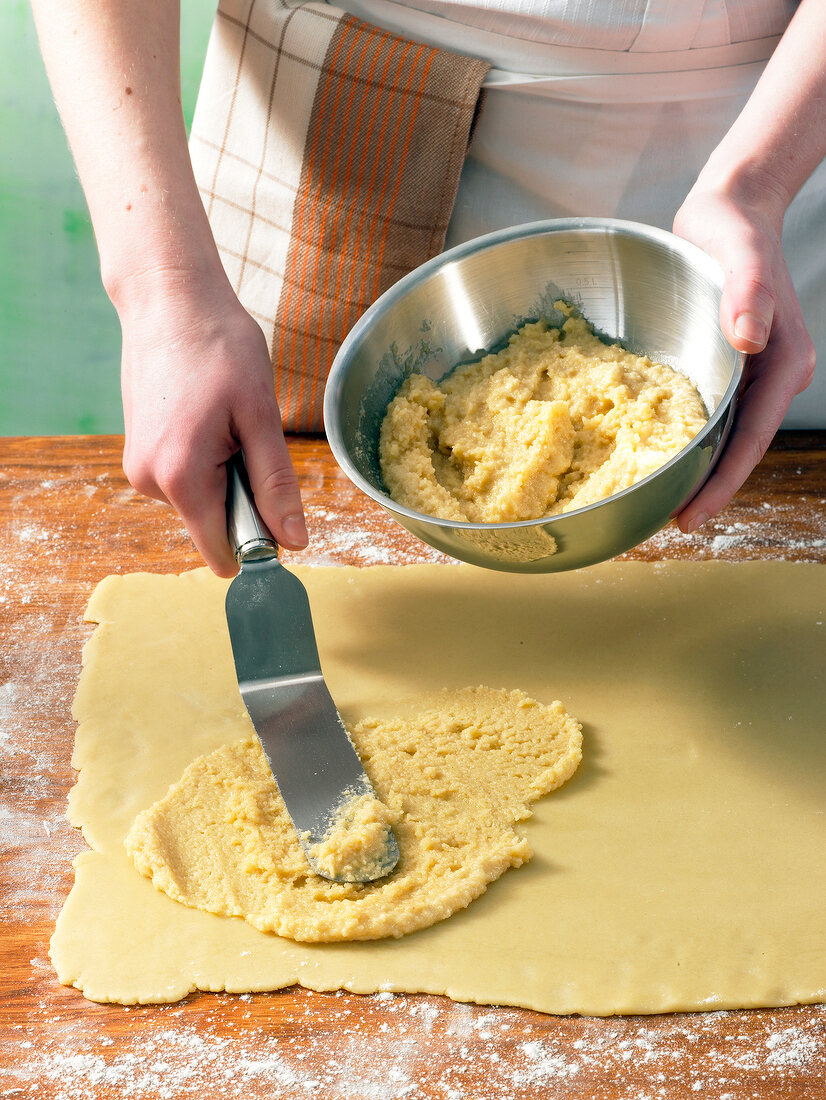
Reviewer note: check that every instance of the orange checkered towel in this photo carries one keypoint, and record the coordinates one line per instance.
(328, 155)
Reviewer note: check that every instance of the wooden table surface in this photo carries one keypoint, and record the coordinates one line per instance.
(68, 519)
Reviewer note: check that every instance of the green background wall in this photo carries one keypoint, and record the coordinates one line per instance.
(59, 336)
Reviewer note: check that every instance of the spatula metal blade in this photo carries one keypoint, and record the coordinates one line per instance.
(312, 758)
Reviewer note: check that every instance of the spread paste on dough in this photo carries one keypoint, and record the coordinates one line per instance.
(355, 845)
(557, 420)
(680, 868)
(456, 774)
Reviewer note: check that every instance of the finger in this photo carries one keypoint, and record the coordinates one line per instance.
(141, 476)
(747, 306)
(200, 500)
(775, 377)
(195, 490)
(275, 485)
(753, 431)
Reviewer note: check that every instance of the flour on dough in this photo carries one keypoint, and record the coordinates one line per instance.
(457, 776)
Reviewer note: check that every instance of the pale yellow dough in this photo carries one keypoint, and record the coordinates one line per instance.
(681, 867)
(456, 774)
(555, 421)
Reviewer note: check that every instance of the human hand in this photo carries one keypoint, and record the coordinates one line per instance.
(197, 385)
(759, 315)
(196, 375)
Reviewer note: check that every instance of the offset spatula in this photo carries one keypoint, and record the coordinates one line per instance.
(312, 758)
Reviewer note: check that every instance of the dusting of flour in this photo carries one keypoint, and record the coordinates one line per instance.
(414, 1049)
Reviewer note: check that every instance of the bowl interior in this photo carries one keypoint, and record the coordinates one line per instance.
(650, 291)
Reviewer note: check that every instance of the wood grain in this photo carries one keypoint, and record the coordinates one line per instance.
(68, 519)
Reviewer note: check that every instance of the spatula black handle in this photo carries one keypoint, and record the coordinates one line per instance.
(249, 536)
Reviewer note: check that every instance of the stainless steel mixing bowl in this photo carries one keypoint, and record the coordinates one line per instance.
(651, 291)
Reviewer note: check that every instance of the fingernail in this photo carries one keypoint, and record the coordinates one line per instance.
(752, 328)
(295, 529)
(698, 521)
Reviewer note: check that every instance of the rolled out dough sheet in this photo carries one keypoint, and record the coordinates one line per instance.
(681, 868)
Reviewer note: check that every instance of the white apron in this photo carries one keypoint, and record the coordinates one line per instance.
(610, 110)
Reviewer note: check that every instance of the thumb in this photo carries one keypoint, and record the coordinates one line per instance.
(748, 300)
(275, 487)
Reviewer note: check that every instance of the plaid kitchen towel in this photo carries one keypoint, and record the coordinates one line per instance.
(328, 154)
